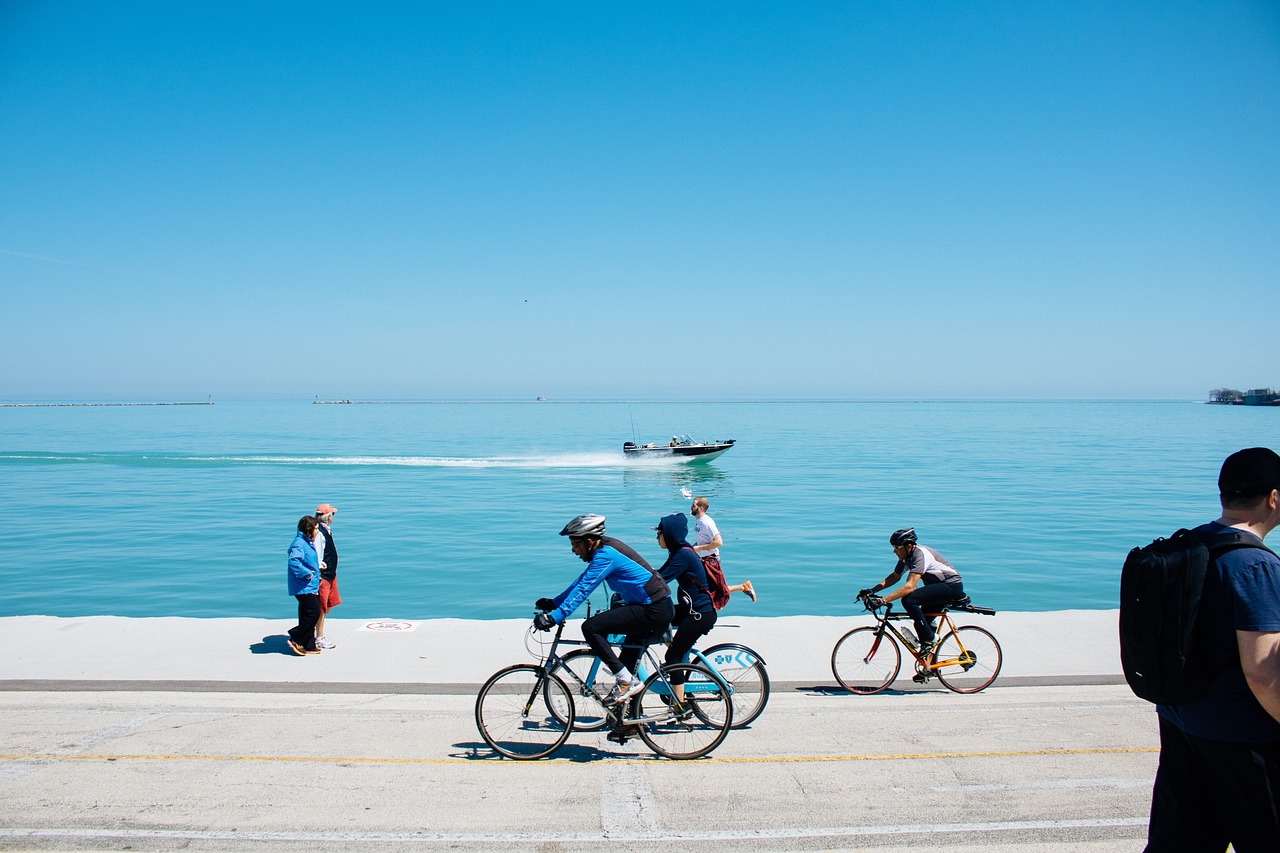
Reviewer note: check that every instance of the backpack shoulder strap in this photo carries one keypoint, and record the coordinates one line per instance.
(697, 582)
(1231, 540)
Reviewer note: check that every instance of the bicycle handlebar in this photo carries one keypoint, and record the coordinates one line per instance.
(964, 605)
(865, 599)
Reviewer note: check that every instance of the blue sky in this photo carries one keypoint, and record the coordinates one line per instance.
(597, 200)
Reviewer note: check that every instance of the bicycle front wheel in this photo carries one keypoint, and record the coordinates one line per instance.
(748, 682)
(865, 661)
(590, 681)
(968, 659)
(692, 728)
(523, 713)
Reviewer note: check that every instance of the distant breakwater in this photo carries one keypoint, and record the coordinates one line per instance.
(49, 405)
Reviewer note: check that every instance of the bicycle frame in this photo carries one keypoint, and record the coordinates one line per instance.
(662, 688)
(551, 663)
(923, 662)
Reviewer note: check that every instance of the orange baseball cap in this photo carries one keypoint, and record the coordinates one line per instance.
(326, 509)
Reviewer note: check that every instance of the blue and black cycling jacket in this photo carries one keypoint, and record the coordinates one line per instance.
(625, 576)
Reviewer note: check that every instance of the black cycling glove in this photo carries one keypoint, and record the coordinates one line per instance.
(545, 604)
(544, 622)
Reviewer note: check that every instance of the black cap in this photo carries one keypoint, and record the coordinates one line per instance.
(1248, 473)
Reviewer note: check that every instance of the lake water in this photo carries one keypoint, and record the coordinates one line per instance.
(453, 509)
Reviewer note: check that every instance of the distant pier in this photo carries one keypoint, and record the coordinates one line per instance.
(96, 405)
(1252, 397)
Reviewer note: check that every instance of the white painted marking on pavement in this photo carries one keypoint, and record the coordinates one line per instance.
(332, 838)
(627, 805)
(1046, 785)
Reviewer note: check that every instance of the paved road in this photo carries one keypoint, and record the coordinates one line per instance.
(1015, 768)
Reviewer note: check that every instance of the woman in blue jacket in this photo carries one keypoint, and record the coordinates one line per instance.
(304, 584)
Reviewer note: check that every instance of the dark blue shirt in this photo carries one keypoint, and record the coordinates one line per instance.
(1241, 593)
(684, 567)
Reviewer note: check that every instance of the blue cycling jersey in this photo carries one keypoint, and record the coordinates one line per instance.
(624, 575)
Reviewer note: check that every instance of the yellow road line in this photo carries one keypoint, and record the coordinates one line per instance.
(783, 759)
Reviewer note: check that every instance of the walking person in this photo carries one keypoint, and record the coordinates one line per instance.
(707, 542)
(304, 582)
(1218, 781)
(328, 591)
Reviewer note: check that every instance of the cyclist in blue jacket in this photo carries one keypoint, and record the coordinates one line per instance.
(645, 608)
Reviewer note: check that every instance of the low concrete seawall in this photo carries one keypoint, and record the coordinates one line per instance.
(390, 655)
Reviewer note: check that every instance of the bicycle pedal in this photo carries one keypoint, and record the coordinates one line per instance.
(920, 678)
(622, 735)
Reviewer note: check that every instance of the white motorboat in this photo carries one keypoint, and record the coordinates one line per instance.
(680, 445)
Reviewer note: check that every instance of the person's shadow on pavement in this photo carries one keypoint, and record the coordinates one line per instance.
(276, 644)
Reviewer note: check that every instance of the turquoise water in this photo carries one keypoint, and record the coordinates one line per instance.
(452, 510)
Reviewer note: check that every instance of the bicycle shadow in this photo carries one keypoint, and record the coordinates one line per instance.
(831, 690)
(573, 752)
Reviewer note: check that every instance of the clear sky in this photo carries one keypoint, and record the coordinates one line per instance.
(624, 200)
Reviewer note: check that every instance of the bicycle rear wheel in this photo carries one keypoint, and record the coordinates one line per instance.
(748, 682)
(523, 713)
(696, 726)
(589, 714)
(865, 661)
(970, 658)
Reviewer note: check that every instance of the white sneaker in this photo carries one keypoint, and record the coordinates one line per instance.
(624, 690)
(326, 643)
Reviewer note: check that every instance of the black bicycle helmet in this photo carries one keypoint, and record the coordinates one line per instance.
(585, 525)
(905, 536)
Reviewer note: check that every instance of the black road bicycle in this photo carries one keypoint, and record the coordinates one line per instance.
(967, 659)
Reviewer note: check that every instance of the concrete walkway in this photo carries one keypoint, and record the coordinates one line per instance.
(108, 652)
(207, 734)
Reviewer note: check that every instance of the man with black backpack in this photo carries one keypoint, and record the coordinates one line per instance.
(1219, 775)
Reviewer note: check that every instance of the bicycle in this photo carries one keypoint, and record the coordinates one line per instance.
(526, 711)
(968, 658)
(739, 668)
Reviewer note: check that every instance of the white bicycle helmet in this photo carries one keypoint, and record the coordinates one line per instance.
(585, 525)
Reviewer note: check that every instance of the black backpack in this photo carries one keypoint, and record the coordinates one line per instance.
(1160, 588)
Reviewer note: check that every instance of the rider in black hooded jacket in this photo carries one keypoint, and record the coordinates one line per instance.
(695, 615)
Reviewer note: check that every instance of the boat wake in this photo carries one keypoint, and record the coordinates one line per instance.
(532, 461)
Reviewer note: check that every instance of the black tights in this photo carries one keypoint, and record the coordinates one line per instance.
(688, 631)
(637, 621)
(931, 597)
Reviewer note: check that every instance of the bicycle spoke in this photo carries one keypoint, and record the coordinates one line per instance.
(522, 712)
(589, 681)
(968, 659)
(683, 730)
(748, 682)
(865, 661)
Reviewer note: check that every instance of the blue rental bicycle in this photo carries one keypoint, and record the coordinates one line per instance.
(737, 667)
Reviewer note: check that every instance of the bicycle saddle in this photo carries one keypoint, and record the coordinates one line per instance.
(658, 637)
